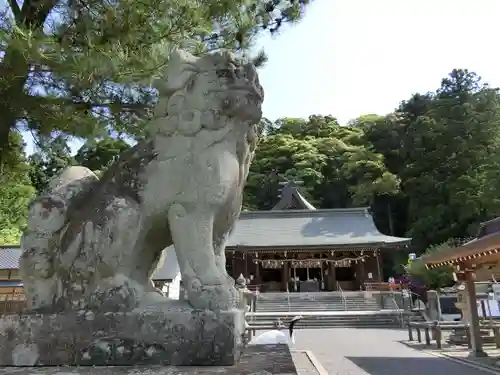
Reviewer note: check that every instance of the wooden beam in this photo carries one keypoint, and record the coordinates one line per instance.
(476, 341)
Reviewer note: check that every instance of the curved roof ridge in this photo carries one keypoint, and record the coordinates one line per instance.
(301, 213)
(304, 201)
(290, 196)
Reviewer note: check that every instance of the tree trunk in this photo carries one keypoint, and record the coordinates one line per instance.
(14, 68)
(14, 72)
(389, 216)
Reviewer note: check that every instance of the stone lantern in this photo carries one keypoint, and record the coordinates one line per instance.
(246, 296)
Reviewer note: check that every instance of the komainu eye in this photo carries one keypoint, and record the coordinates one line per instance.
(223, 73)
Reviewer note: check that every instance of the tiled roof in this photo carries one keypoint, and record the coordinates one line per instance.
(276, 228)
(295, 228)
(9, 257)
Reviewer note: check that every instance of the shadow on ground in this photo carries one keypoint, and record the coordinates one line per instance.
(398, 365)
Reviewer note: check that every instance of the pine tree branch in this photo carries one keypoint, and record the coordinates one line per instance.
(16, 11)
(44, 101)
(35, 12)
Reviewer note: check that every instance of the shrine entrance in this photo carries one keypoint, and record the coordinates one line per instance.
(272, 278)
(311, 271)
(306, 275)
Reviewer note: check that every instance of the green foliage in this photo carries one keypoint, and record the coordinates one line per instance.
(10, 236)
(15, 192)
(97, 156)
(54, 156)
(434, 278)
(444, 147)
(335, 166)
(84, 68)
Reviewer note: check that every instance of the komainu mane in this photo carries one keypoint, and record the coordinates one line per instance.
(94, 243)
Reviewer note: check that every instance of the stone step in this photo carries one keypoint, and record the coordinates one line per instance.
(315, 303)
(307, 315)
(309, 298)
(330, 321)
(301, 300)
(336, 300)
(322, 301)
(314, 294)
(312, 302)
(338, 321)
(310, 308)
(317, 307)
(353, 324)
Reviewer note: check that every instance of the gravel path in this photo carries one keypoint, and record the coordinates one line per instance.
(350, 351)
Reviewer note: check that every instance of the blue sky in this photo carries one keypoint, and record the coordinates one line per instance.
(352, 57)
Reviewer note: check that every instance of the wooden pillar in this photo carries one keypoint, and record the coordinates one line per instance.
(360, 274)
(379, 268)
(285, 276)
(331, 275)
(258, 281)
(475, 332)
(322, 282)
(233, 265)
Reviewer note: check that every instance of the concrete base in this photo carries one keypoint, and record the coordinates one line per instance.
(478, 354)
(177, 336)
(258, 359)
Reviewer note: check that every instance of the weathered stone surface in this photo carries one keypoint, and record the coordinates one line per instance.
(177, 336)
(255, 360)
(93, 243)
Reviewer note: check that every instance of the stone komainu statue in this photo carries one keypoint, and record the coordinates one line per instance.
(94, 243)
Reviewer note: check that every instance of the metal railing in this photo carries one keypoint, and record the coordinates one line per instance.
(382, 287)
(344, 299)
(415, 302)
(400, 308)
(255, 287)
(312, 314)
(408, 303)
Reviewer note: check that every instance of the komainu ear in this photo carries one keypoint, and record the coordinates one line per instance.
(180, 67)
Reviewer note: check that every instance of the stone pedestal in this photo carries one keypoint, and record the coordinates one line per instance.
(258, 359)
(173, 336)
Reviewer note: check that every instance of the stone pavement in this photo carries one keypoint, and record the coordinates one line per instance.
(351, 351)
(303, 364)
(461, 353)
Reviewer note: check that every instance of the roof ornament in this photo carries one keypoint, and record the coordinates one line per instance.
(241, 282)
(288, 185)
(289, 195)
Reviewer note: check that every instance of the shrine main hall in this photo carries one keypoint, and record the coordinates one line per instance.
(296, 247)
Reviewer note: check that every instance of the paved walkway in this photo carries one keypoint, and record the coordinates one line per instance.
(350, 351)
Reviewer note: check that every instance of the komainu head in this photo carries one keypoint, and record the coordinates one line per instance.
(199, 92)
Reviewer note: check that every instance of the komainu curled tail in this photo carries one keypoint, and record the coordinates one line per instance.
(47, 218)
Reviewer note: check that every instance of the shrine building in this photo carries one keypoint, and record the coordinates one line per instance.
(296, 247)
